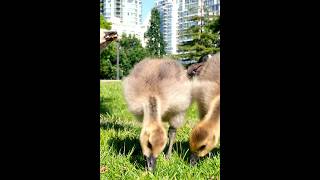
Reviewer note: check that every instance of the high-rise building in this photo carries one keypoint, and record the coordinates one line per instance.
(175, 16)
(168, 23)
(186, 10)
(125, 15)
(213, 6)
(144, 27)
(190, 8)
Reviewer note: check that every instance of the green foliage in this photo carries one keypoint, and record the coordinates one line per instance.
(104, 24)
(120, 151)
(107, 62)
(205, 38)
(130, 53)
(154, 36)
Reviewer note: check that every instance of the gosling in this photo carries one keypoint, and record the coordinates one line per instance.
(157, 91)
(206, 92)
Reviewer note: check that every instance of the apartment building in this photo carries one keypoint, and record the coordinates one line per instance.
(125, 16)
(168, 23)
(190, 8)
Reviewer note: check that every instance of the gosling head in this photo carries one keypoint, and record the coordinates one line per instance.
(202, 141)
(153, 140)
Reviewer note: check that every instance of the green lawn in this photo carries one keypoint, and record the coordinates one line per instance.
(120, 152)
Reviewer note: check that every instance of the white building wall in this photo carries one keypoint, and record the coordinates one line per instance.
(189, 8)
(125, 16)
(169, 19)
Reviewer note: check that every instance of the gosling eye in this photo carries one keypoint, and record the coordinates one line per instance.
(202, 147)
(149, 145)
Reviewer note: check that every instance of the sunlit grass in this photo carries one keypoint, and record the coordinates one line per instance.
(120, 151)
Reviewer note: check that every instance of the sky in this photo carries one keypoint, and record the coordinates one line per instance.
(146, 8)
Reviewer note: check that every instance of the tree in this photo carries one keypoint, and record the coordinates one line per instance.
(104, 24)
(107, 62)
(133, 52)
(130, 53)
(205, 38)
(155, 43)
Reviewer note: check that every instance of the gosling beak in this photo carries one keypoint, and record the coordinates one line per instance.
(193, 159)
(150, 163)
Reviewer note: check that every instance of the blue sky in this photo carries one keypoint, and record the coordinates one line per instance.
(146, 8)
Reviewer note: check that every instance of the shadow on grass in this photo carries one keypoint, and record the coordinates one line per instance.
(132, 146)
(183, 151)
(103, 105)
(114, 125)
(129, 146)
(125, 146)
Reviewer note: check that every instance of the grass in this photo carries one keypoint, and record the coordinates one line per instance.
(120, 152)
